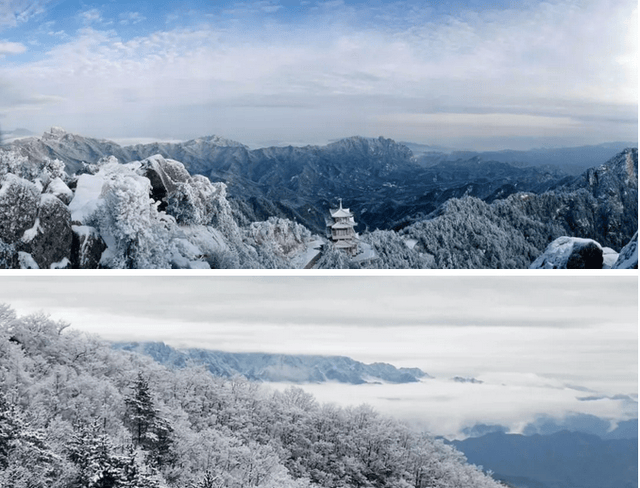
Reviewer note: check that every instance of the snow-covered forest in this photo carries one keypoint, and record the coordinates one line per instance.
(76, 413)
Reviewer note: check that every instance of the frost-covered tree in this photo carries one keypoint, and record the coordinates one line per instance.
(149, 430)
(333, 258)
(137, 234)
(12, 160)
(75, 413)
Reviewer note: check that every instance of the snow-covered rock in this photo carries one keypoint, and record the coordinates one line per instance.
(49, 241)
(570, 253)
(19, 201)
(59, 188)
(164, 176)
(26, 261)
(87, 197)
(628, 257)
(609, 257)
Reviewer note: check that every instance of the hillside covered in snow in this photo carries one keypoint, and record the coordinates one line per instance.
(76, 412)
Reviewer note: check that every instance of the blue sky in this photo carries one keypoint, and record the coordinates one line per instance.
(468, 74)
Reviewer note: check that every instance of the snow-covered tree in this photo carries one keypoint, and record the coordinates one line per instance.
(75, 413)
(137, 234)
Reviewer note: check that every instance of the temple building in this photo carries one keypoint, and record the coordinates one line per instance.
(340, 229)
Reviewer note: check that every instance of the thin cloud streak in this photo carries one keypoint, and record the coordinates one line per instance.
(372, 301)
(444, 407)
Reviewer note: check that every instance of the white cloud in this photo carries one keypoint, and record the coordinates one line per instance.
(91, 16)
(444, 407)
(132, 18)
(335, 74)
(7, 47)
(251, 8)
(14, 12)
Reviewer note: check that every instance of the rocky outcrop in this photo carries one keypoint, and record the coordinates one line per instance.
(613, 209)
(59, 188)
(572, 253)
(628, 258)
(87, 247)
(19, 201)
(164, 176)
(49, 240)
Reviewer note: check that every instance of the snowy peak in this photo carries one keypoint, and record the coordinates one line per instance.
(55, 133)
(213, 140)
(371, 146)
(72, 149)
(618, 173)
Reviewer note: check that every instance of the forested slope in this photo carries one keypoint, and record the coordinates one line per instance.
(75, 413)
(600, 204)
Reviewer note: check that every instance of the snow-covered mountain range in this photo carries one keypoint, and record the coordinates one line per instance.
(382, 179)
(72, 201)
(277, 367)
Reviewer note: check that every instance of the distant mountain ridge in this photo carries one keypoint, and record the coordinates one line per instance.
(277, 367)
(573, 160)
(560, 460)
(381, 179)
(605, 429)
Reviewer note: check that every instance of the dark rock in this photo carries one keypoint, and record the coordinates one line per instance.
(50, 243)
(19, 201)
(165, 177)
(585, 256)
(86, 248)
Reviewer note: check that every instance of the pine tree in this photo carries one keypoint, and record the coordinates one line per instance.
(140, 413)
(150, 431)
(9, 429)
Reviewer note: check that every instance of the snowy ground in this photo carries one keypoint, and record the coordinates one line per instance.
(366, 252)
(306, 257)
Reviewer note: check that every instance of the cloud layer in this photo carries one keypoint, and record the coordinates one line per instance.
(580, 330)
